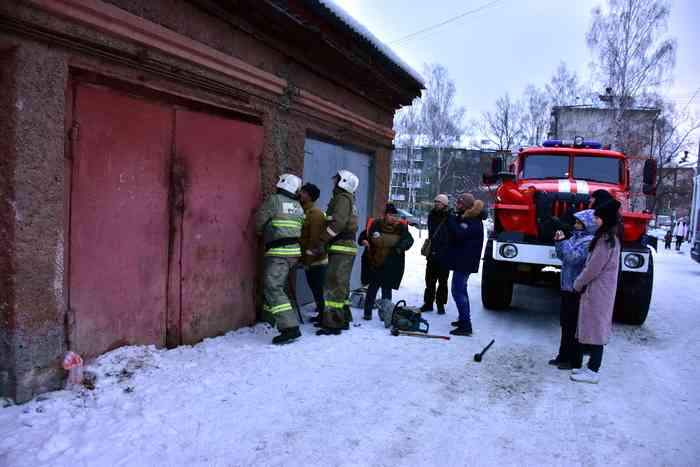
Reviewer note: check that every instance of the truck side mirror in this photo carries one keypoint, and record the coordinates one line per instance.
(649, 180)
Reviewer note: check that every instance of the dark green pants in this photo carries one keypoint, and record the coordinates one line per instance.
(337, 291)
(277, 301)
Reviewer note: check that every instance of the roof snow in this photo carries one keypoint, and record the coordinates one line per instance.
(384, 49)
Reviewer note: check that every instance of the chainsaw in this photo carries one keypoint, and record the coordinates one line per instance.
(401, 317)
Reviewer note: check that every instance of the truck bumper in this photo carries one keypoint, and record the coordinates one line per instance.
(631, 259)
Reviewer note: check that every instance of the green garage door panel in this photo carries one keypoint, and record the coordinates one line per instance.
(322, 160)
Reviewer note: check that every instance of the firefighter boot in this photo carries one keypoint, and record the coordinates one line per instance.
(286, 336)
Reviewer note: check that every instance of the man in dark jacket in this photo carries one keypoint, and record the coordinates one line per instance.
(466, 241)
(384, 260)
(435, 272)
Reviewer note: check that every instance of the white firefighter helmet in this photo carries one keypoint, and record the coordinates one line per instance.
(348, 181)
(290, 183)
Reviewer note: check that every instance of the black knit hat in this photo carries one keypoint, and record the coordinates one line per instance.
(312, 190)
(608, 212)
(390, 209)
(600, 196)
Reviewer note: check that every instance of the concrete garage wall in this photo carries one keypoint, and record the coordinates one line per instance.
(36, 77)
(7, 221)
(37, 200)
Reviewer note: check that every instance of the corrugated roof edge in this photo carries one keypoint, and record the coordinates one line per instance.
(365, 33)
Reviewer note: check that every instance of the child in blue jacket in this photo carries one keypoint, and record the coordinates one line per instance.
(573, 253)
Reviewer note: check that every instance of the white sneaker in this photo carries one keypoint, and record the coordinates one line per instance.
(585, 376)
(575, 371)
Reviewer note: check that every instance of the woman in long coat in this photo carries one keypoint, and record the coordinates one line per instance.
(384, 259)
(597, 284)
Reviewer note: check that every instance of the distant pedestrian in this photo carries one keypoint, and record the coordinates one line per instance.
(435, 247)
(386, 241)
(463, 255)
(680, 231)
(314, 264)
(573, 253)
(668, 239)
(597, 284)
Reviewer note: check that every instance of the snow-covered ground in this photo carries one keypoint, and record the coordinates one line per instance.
(367, 398)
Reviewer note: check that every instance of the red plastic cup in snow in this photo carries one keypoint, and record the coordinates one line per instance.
(73, 363)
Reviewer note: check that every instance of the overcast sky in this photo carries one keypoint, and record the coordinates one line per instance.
(512, 42)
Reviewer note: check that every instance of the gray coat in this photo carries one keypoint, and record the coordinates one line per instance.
(599, 277)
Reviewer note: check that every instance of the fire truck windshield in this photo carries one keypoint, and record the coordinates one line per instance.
(585, 167)
(546, 166)
(597, 169)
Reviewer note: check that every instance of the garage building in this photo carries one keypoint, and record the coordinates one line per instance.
(136, 141)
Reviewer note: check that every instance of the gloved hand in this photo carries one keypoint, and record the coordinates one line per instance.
(315, 251)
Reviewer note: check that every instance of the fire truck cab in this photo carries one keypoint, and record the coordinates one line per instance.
(538, 195)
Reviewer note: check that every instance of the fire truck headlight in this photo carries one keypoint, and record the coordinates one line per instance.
(634, 261)
(509, 251)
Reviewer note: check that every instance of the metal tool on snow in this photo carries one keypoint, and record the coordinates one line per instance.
(480, 355)
(396, 332)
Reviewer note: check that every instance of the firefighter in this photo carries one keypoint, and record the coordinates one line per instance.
(279, 221)
(338, 239)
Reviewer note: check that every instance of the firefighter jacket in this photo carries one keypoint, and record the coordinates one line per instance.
(279, 220)
(314, 224)
(341, 224)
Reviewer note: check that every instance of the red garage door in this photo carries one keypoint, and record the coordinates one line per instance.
(221, 160)
(161, 243)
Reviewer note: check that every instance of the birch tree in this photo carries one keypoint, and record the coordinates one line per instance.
(634, 57)
(536, 115)
(441, 117)
(503, 126)
(407, 129)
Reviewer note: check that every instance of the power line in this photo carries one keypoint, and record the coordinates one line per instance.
(447, 21)
(690, 101)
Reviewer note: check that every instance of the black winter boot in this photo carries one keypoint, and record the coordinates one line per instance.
(441, 309)
(367, 316)
(464, 329)
(426, 308)
(328, 332)
(286, 336)
(455, 324)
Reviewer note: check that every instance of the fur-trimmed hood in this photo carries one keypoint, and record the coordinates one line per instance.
(475, 211)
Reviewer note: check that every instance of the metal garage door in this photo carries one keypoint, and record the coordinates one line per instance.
(322, 160)
(119, 220)
(162, 242)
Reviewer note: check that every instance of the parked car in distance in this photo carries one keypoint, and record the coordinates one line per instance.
(410, 218)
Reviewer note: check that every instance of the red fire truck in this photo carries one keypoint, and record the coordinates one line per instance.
(538, 195)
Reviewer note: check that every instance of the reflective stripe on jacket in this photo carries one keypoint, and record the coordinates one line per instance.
(280, 218)
(341, 223)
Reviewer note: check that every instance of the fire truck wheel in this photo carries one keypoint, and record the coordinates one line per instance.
(634, 296)
(496, 292)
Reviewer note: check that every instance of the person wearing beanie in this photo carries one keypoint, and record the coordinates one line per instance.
(465, 242)
(434, 248)
(597, 285)
(386, 241)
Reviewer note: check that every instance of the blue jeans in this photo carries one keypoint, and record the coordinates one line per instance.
(461, 296)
